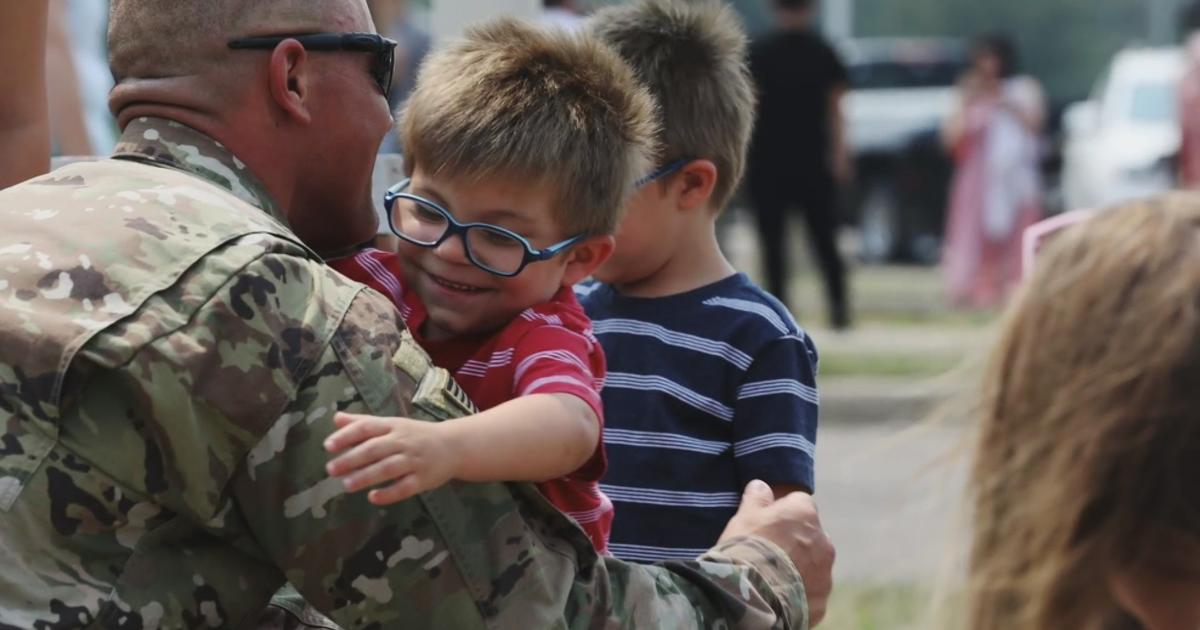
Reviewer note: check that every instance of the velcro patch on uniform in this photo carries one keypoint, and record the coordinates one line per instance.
(438, 395)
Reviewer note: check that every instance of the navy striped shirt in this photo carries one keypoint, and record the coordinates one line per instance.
(706, 390)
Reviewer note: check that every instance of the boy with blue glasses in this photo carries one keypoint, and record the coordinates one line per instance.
(522, 146)
(710, 381)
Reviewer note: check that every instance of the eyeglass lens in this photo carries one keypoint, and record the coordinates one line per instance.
(423, 224)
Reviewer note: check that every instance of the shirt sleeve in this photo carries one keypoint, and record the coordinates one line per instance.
(839, 75)
(296, 337)
(553, 359)
(775, 415)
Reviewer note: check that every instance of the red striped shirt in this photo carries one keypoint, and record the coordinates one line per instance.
(547, 349)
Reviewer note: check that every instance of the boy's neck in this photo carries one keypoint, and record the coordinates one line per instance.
(696, 262)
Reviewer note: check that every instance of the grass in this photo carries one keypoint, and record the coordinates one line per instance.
(888, 365)
(880, 607)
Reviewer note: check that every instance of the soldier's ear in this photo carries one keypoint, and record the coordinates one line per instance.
(289, 81)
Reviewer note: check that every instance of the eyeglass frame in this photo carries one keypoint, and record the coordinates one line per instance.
(662, 171)
(383, 49)
(454, 227)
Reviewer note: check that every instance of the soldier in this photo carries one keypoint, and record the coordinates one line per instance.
(172, 351)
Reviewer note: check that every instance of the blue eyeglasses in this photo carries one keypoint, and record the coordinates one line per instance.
(492, 248)
(663, 171)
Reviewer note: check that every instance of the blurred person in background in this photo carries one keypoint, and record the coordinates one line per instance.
(1086, 513)
(87, 24)
(68, 119)
(799, 154)
(993, 136)
(398, 20)
(24, 122)
(565, 14)
(1189, 101)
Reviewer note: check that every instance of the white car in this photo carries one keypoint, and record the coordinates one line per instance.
(1120, 144)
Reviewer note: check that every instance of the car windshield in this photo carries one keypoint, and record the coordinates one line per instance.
(892, 74)
(1153, 103)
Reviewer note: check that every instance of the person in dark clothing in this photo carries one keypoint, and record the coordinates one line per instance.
(798, 155)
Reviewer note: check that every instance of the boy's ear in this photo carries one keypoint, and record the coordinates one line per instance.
(694, 183)
(287, 76)
(586, 257)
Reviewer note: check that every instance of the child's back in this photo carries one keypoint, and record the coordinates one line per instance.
(711, 383)
(706, 390)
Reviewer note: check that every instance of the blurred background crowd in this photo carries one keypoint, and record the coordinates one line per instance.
(915, 90)
(901, 149)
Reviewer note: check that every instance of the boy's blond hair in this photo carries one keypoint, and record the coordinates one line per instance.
(692, 56)
(515, 100)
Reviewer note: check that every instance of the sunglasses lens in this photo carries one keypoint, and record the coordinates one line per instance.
(384, 63)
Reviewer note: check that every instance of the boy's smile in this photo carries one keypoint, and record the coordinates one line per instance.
(461, 298)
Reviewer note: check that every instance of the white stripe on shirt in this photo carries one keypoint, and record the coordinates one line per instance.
(550, 380)
(647, 553)
(477, 368)
(531, 315)
(650, 439)
(773, 440)
(671, 498)
(594, 514)
(779, 386)
(757, 308)
(655, 383)
(385, 277)
(559, 356)
(669, 337)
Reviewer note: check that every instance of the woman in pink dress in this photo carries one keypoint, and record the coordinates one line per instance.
(993, 135)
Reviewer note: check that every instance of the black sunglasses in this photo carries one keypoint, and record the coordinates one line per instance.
(382, 48)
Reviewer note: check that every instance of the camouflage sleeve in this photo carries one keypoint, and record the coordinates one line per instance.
(464, 555)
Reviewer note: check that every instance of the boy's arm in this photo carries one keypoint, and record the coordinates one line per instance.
(531, 438)
(775, 416)
(550, 429)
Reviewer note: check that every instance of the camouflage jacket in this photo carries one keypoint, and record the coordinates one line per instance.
(170, 359)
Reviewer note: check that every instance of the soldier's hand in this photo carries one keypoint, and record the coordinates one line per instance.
(412, 455)
(792, 523)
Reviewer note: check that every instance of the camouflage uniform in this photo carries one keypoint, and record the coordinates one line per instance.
(171, 356)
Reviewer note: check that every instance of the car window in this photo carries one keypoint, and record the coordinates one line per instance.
(1152, 103)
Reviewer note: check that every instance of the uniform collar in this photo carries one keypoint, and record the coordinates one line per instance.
(168, 143)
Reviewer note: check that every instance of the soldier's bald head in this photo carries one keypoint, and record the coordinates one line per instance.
(156, 39)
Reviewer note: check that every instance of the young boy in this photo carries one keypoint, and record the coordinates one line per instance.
(522, 145)
(710, 382)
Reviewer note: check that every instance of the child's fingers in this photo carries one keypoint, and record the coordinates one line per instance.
(359, 429)
(403, 489)
(387, 469)
(364, 454)
(341, 418)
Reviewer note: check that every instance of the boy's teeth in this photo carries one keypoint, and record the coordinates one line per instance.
(455, 285)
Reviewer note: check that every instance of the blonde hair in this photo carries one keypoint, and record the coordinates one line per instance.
(1090, 440)
(692, 56)
(556, 109)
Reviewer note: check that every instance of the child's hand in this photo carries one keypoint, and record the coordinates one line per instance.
(416, 455)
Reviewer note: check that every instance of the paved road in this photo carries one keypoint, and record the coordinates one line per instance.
(890, 495)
